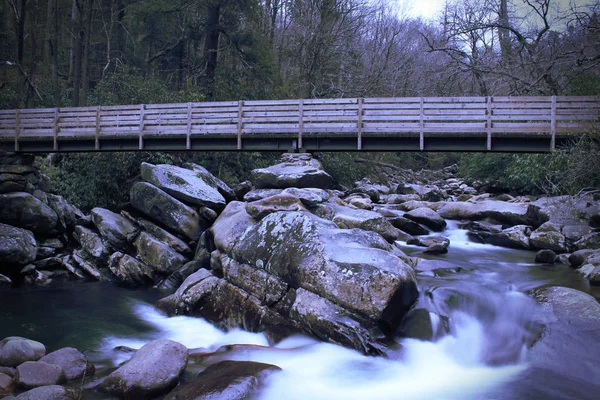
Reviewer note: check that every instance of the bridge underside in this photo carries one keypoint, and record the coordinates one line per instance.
(281, 142)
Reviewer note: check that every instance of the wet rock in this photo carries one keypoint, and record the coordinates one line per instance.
(25, 211)
(241, 189)
(282, 202)
(88, 267)
(591, 241)
(74, 363)
(191, 291)
(5, 281)
(548, 236)
(579, 257)
(176, 278)
(152, 370)
(506, 213)
(227, 380)
(32, 374)
(348, 218)
(166, 237)
(6, 384)
(15, 350)
(52, 392)
(66, 212)
(231, 225)
(299, 171)
(158, 255)
(170, 212)
(427, 217)
(433, 244)
(408, 226)
(515, 237)
(131, 271)
(184, 184)
(545, 256)
(17, 247)
(114, 228)
(228, 193)
(204, 247)
(423, 325)
(91, 243)
(359, 201)
(591, 272)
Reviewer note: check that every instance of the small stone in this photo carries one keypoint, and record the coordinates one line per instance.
(545, 256)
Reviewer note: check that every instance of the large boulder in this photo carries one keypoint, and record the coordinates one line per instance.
(152, 370)
(295, 170)
(170, 212)
(164, 236)
(591, 241)
(15, 350)
(349, 218)
(282, 202)
(131, 271)
(516, 237)
(548, 237)
(66, 212)
(183, 184)
(52, 392)
(231, 225)
(227, 192)
(427, 217)
(17, 247)
(25, 211)
(158, 255)
(32, 374)
(227, 380)
(91, 243)
(72, 361)
(352, 268)
(501, 211)
(114, 228)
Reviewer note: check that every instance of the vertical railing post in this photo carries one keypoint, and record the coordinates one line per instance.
(188, 139)
(141, 141)
(359, 123)
(55, 130)
(17, 129)
(489, 123)
(97, 136)
(421, 125)
(240, 124)
(553, 124)
(300, 122)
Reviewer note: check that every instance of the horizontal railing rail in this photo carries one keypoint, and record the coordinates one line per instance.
(421, 117)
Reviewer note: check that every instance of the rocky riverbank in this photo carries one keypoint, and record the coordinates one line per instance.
(288, 252)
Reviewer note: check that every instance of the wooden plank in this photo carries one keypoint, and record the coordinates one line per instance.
(240, 124)
(300, 122)
(359, 123)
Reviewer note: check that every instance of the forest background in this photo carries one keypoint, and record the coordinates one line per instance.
(58, 53)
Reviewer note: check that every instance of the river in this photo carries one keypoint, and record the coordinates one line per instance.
(481, 288)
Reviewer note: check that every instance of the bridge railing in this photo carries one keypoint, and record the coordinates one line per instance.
(357, 117)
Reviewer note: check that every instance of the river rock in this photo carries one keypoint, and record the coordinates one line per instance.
(99, 274)
(5, 281)
(166, 237)
(427, 217)
(548, 236)
(400, 198)
(545, 256)
(579, 257)
(418, 324)
(228, 193)
(32, 374)
(373, 191)
(152, 370)
(426, 193)
(158, 255)
(66, 212)
(17, 247)
(310, 197)
(503, 212)
(516, 237)
(299, 171)
(91, 243)
(170, 212)
(227, 380)
(74, 363)
(184, 184)
(574, 232)
(259, 194)
(175, 280)
(25, 211)
(352, 268)
(231, 225)
(131, 271)
(591, 241)
(6, 384)
(114, 228)
(15, 350)
(359, 200)
(434, 244)
(572, 330)
(282, 202)
(348, 218)
(52, 392)
(591, 272)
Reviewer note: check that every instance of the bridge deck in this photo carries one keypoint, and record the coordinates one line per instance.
(515, 124)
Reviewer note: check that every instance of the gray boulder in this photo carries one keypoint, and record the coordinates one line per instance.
(183, 184)
(158, 255)
(349, 218)
(52, 392)
(228, 193)
(17, 247)
(591, 241)
(131, 271)
(25, 211)
(516, 237)
(579, 257)
(32, 374)
(170, 212)
(282, 202)
(427, 217)
(114, 228)
(152, 370)
(299, 171)
(66, 212)
(259, 194)
(74, 364)
(15, 350)
(166, 237)
(433, 244)
(91, 243)
(90, 268)
(231, 225)
(545, 256)
(226, 380)
(501, 211)
(548, 236)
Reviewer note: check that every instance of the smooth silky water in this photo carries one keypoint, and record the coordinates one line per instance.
(480, 288)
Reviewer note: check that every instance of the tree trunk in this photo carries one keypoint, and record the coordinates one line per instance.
(77, 54)
(504, 33)
(86, 51)
(211, 46)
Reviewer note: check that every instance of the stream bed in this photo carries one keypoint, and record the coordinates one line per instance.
(483, 354)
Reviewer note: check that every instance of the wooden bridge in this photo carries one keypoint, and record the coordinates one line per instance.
(506, 124)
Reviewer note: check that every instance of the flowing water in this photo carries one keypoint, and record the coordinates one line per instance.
(482, 354)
